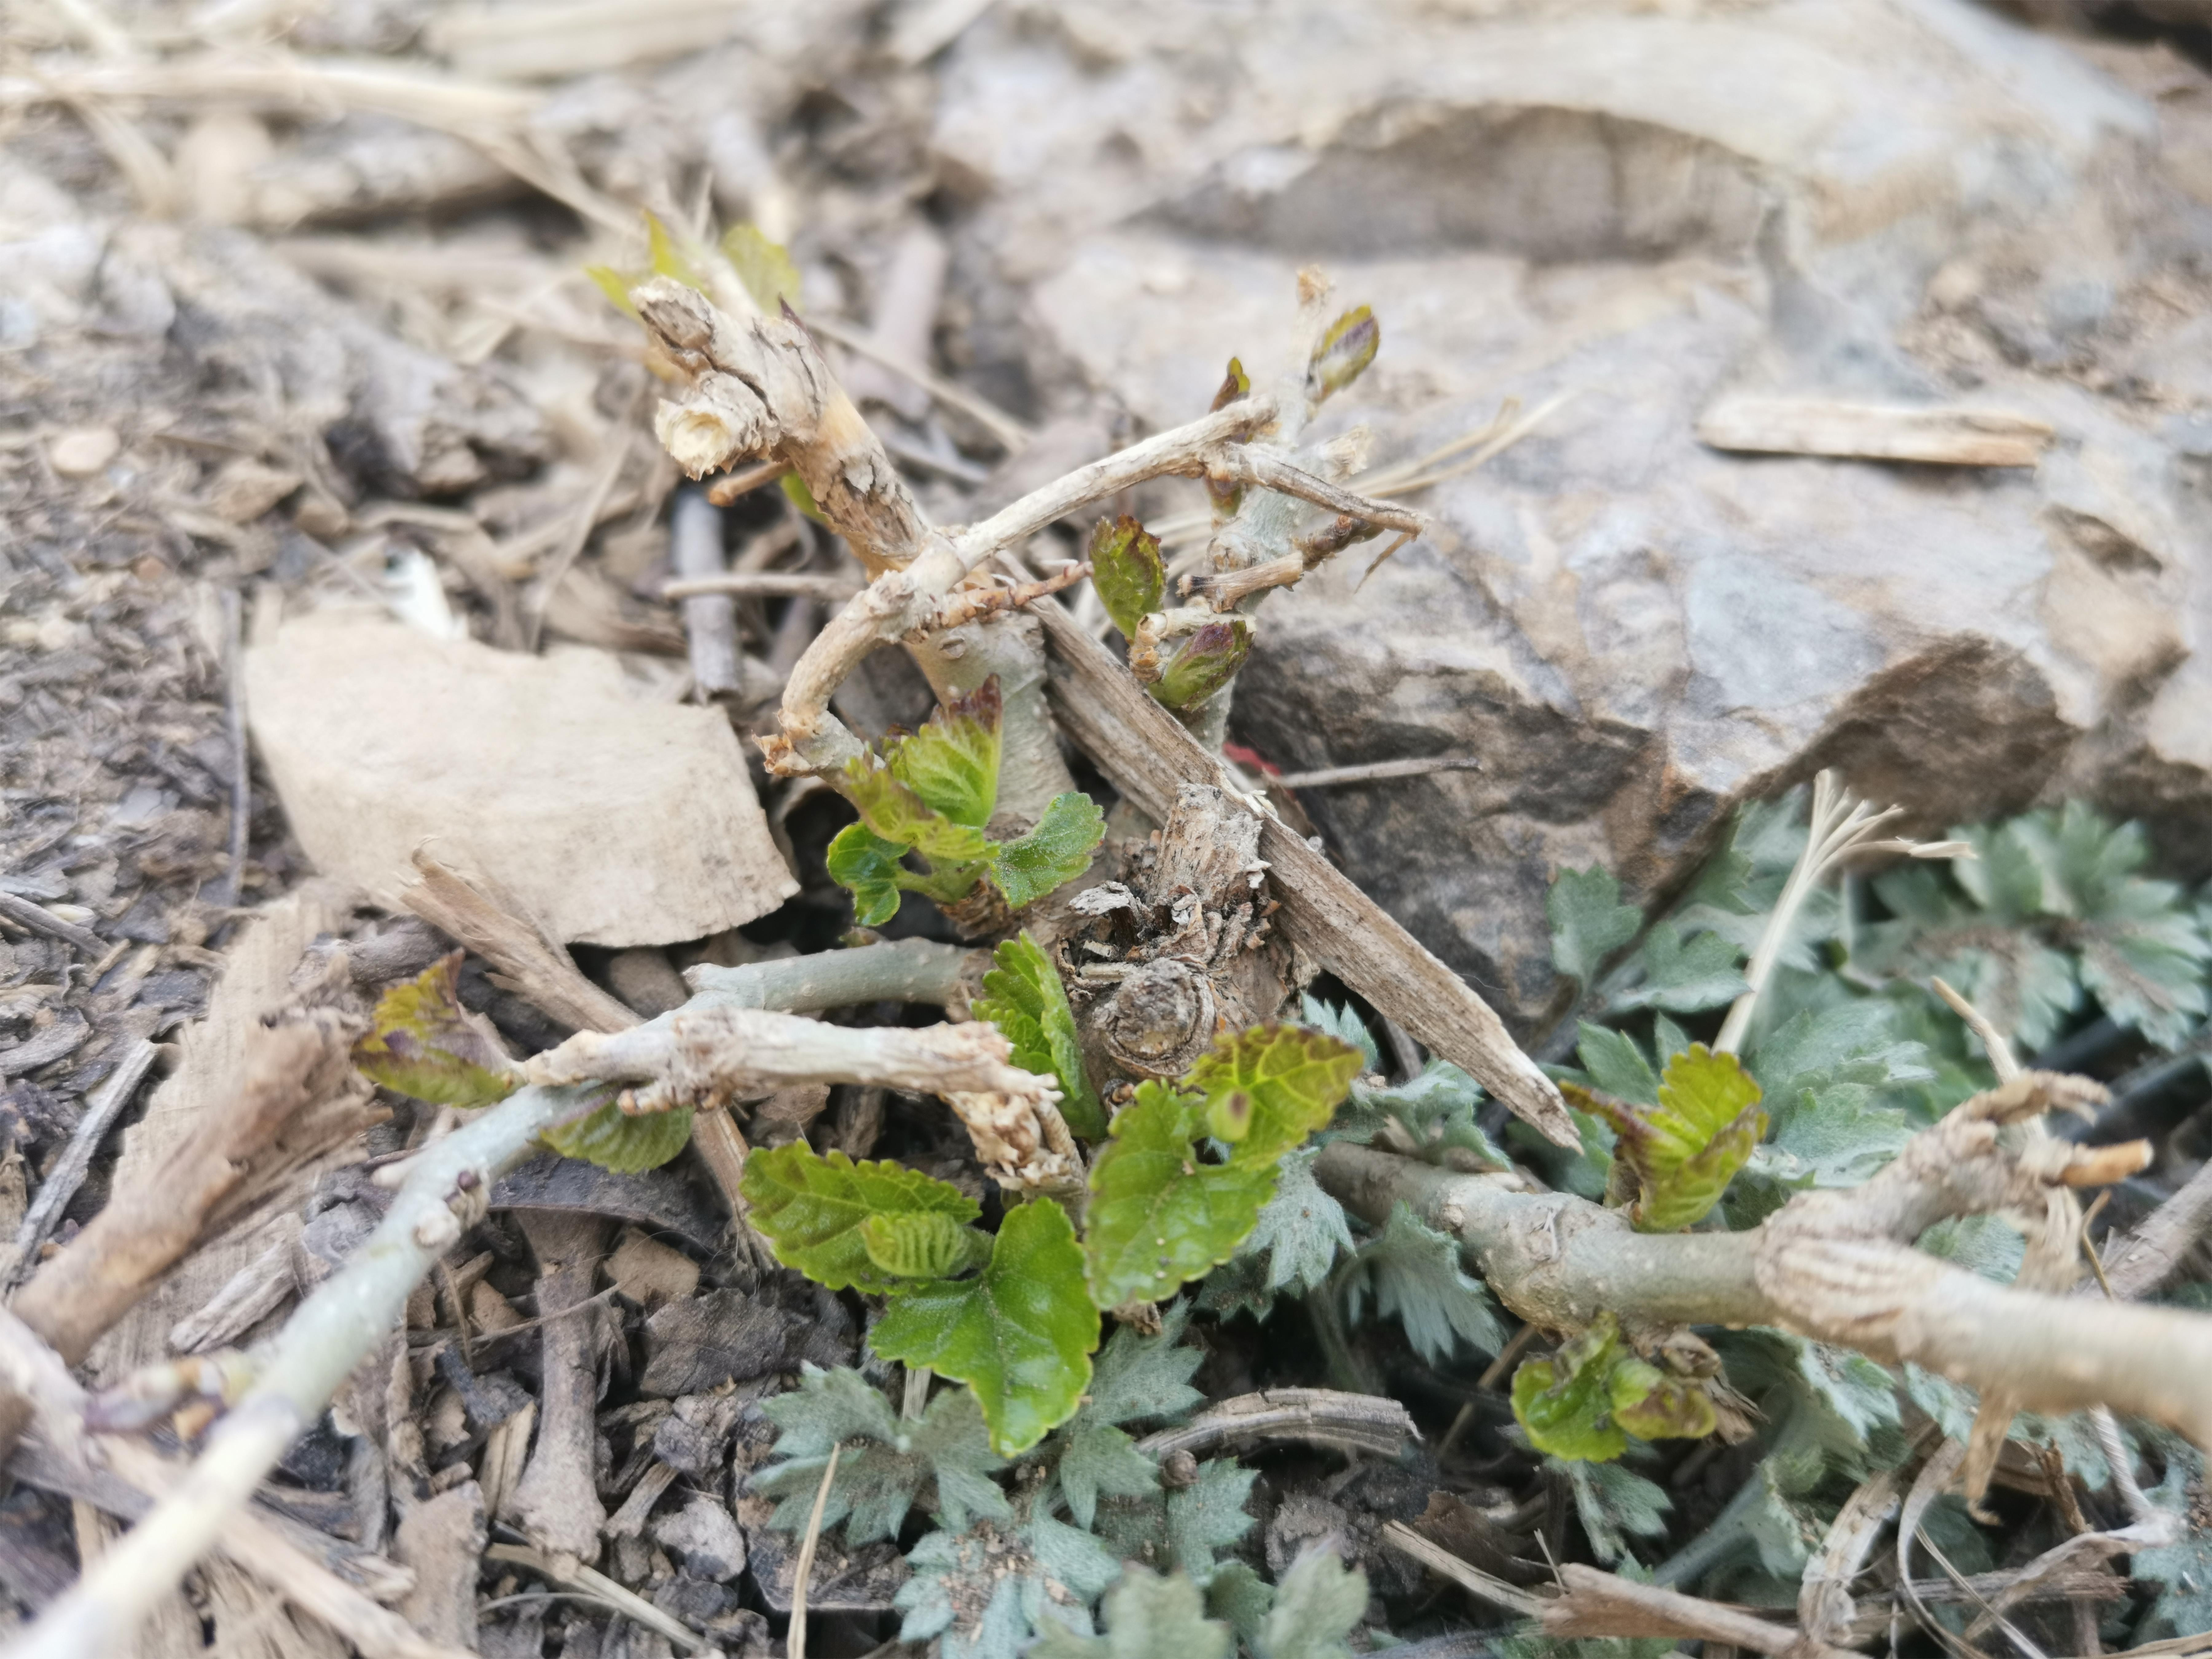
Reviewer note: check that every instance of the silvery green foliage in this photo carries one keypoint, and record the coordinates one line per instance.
(1027, 1578)
(1412, 1271)
(1186, 1531)
(1136, 1378)
(887, 1463)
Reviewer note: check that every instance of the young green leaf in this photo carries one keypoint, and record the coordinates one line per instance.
(1126, 568)
(952, 763)
(1135, 1377)
(1159, 1213)
(1685, 976)
(1346, 1026)
(1054, 853)
(1020, 1334)
(1431, 1118)
(1318, 1604)
(616, 285)
(1589, 920)
(1023, 997)
(1565, 1403)
(890, 807)
(1346, 348)
(1241, 1598)
(923, 1244)
(813, 1209)
(668, 259)
(886, 1460)
(1652, 1405)
(866, 866)
(1301, 1231)
(1413, 1271)
(1267, 1087)
(1146, 1617)
(762, 267)
(1685, 1151)
(422, 1043)
(1209, 660)
(1188, 1529)
(1234, 385)
(1613, 1499)
(626, 1143)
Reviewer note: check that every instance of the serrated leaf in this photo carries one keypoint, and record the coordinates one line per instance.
(1589, 920)
(1685, 975)
(1139, 1377)
(1125, 569)
(885, 1463)
(890, 807)
(988, 1591)
(2183, 1568)
(867, 867)
(1617, 1065)
(422, 1043)
(1414, 1273)
(1146, 1617)
(1564, 1403)
(624, 1142)
(1187, 1528)
(1839, 1404)
(1100, 1459)
(813, 1209)
(1025, 998)
(1020, 1334)
(1613, 1500)
(1346, 348)
(1318, 1604)
(1301, 1230)
(1267, 1087)
(1432, 1118)
(1344, 1026)
(763, 268)
(1054, 853)
(953, 763)
(1685, 1150)
(1208, 661)
(923, 1245)
(1160, 1214)
(1240, 1597)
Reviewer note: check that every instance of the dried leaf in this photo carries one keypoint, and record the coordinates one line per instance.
(422, 1043)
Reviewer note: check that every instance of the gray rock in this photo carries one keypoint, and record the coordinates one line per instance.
(1633, 631)
(705, 1537)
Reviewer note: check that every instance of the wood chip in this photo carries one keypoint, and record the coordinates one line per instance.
(1874, 432)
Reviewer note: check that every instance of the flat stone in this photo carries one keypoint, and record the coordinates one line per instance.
(705, 1536)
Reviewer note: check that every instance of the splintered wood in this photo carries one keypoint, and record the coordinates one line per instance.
(1874, 432)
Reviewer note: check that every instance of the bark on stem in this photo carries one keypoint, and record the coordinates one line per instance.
(1559, 1261)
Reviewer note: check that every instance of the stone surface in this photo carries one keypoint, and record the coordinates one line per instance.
(1920, 204)
(705, 1537)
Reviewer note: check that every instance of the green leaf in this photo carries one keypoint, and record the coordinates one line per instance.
(1431, 1118)
(988, 1591)
(866, 866)
(1564, 1403)
(1187, 1528)
(888, 806)
(1589, 920)
(1267, 1087)
(952, 763)
(616, 285)
(1652, 1405)
(1613, 1499)
(1344, 1026)
(1302, 1229)
(1318, 1604)
(1052, 855)
(1146, 1617)
(762, 267)
(1345, 350)
(625, 1142)
(422, 1043)
(1413, 1272)
(1159, 1213)
(1684, 1151)
(1023, 997)
(1685, 975)
(796, 492)
(667, 258)
(1020, 1335)
(1209, 660)
(1617, 1065)
(886, 1460)
(1125, 569)
(1234, 385)
(1140, 1377)
(923, 1245)
(812, 1210)
(2183, 1568)
(1099, 1460)
(1239, 1595)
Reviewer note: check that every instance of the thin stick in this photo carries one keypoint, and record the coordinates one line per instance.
(1375, 771)
(1004, 428)
(2003, 1062)
(795, 1639)
(241, 771)
(710, 618)
(39, 919)
(70, 1169)
(591, 1582)
(765, 584)
(745, 480)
